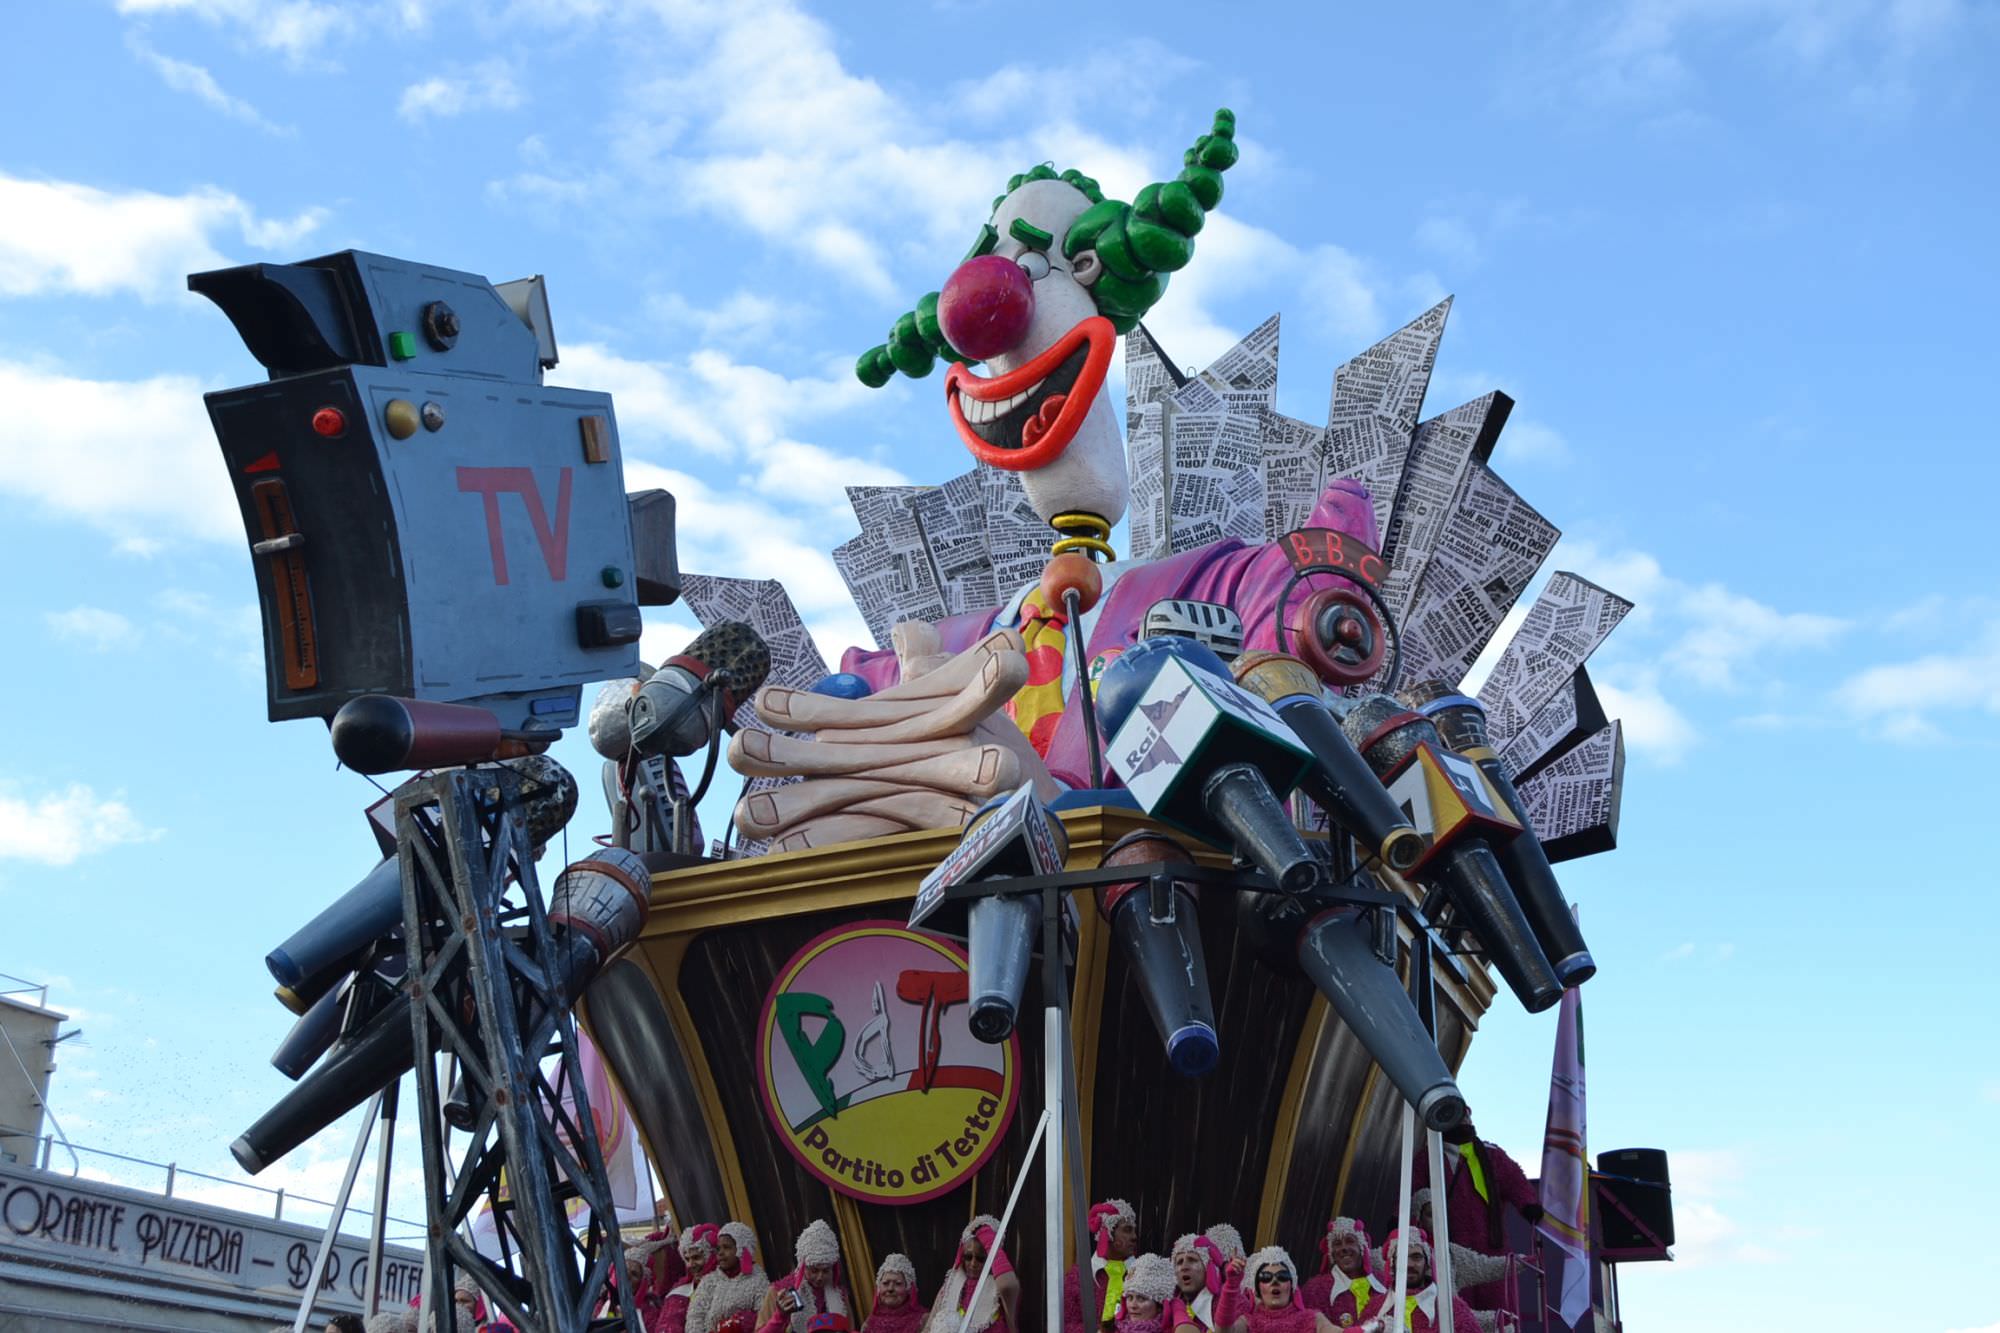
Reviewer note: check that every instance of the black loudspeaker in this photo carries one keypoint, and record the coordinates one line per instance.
(1635, 1178)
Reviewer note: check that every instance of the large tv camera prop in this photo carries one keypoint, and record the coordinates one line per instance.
(445, 553)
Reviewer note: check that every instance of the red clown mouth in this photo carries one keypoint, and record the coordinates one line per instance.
(1024, 419)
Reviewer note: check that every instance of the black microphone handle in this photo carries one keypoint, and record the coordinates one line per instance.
(1000, 936)
(1343, 785)
(1238, 798)
(1526, 865)
(1471, 878)
(1337, 952)
(383, 1052)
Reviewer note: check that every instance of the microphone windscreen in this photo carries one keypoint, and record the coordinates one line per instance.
(731, 651)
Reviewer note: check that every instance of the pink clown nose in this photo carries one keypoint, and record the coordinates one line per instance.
(986, 307)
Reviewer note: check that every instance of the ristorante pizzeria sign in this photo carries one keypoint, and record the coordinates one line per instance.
(869, 1072)
(59, 1220)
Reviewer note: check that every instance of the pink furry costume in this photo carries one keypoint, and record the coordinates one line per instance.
(1483, 1183)
(816, 1246)
(948, 1310)
(1419, 1304)
(1240, 1301)
(1340, 1294)
(1109, 1273)
(905, 1318)
(727, 1298)
(697, 1251)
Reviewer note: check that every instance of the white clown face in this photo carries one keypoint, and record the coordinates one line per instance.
(1042, 408)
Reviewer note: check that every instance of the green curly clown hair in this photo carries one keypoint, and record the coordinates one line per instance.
(1139, 244)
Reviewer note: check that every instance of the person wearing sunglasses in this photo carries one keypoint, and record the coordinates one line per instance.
(1262, 1296)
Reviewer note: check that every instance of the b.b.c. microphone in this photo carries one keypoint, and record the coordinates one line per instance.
(1010, 837)
(1340, 779)
(546, 798)
(721, 666)
(1460, 816)
(598, 907)
(1206, 756)
(1461, 723)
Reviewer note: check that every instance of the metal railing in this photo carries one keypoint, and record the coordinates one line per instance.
(40, 991)
(306, 1211)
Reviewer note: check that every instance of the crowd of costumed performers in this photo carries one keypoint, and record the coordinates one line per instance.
(707, 1279)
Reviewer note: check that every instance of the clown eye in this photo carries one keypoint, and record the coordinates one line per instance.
(1034, 264)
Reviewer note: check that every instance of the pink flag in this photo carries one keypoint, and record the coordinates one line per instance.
(1566, 1163)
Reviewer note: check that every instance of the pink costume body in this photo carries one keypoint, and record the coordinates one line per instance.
(796, 1281)
(1335, 1296)
(905, 1318)
(1463, 1320)
(1246, 578)
(673, 1315)
(1478, 1223)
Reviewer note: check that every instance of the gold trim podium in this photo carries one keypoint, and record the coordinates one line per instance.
(1293, 1127)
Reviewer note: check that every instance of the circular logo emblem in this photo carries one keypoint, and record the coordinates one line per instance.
(869, 1072)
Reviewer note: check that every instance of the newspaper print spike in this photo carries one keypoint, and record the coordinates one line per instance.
(1017, 540)
(1294, 462)
(1564, 626)
(952, 521)
(1442, 453)
(1215, 446)
(1377, 398)
(1574, 802)
(1489, 552)
(1149, 378)
(1572, 715)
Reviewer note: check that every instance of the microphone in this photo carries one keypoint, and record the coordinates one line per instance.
(1209, 758)
(1009, 837)
(598, 907)
(380, 733)
(312, 1035)
(1340, 780)
(670, 712)
(1459, 815)
(1334, 946)
(1208, 623)
(1461, 723)
(1161, 940)
(327, 943)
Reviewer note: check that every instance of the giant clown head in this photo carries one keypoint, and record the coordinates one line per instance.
(1057, 274)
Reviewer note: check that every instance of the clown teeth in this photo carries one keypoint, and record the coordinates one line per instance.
(980, 413)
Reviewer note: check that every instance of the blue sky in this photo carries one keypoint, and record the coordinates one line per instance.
(1732, 257)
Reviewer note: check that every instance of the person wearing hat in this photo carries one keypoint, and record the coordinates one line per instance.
(813, 1286)
(1480, 1278)
(1114, 1228)
(654, 1267)
(896, 1308)
(1197, 1265)
(1261, 1295)
(1340, 1290)
(1420, 1296)
(999, 1301)
(1148, 1305)
(727, 1298)
(697, 1254)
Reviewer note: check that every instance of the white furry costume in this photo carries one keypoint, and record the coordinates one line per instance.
(816, 1245)
(719, 1296)
(1150, 1276)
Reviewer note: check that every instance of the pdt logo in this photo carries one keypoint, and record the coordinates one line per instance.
(869, 1072)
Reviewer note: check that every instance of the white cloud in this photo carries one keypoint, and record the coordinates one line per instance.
(489, 85)
(1652, 723)
(298, 28)
(1707, 1182)
(94, 627)
(55, 828)
(733, 410)
(1529, 442)
(1912, 701)
(1731, 629)
(134, 458)
(198, 83)
(59, 237)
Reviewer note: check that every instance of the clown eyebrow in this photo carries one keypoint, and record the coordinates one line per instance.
(1028, 234)
(988, 239)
